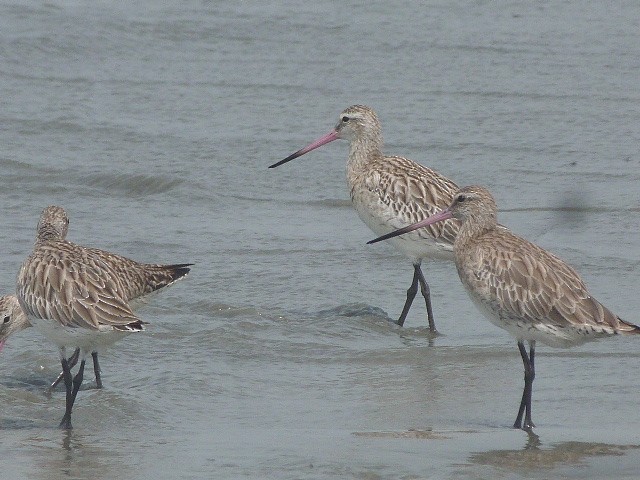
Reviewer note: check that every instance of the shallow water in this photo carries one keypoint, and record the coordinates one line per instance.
(153, 126)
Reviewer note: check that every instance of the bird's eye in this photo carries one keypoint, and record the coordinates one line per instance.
(345, 119)
(6, 319)
(461, 197)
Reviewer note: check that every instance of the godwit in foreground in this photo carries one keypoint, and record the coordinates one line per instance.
(80, 297)
(145, 279)
(520, 287)
(390, 192)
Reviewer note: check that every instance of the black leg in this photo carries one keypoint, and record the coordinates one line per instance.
(426, 293)
(71, 395)
(523, 402)
(68, 383)
(411, 294)
(96, 369)
(73, 359)
(528, 423)
(72, 362)
(77, 381)
(529, 375)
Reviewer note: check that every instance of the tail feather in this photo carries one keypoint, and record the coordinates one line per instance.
(166, 275)
(148, 279)
(179, 270)
(136, 326)
(627, 327)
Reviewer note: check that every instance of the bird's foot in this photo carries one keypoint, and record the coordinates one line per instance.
(65, 423)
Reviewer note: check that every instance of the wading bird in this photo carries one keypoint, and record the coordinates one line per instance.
(390, 192)
(80, 297)
(520, 287)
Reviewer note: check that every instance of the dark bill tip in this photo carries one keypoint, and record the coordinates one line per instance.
(329, 137)
(389, 235)
(288, 159)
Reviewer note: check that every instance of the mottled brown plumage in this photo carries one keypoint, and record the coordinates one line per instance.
(525, 289)
(140, 282)
(521, 287)
(391, 192)
(85, 287)
(81, 297)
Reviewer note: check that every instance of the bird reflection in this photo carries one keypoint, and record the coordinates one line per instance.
(533, 455)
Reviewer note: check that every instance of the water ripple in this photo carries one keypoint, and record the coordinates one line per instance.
(133, 185)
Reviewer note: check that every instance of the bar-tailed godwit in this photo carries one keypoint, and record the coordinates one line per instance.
(81, 297)
(150, 279)
(390, 192)
(521, 287)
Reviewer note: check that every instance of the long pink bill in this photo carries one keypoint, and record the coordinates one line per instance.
(329, 137)
(438, 217)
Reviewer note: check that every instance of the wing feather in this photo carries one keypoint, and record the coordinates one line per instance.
(528, 282)
(73, 286)
(408, 198)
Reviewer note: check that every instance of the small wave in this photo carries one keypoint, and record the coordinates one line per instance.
(426, 434)
(326, 202)
(133, 185)
(354, 310)
(27, 385)
(18, 424)
(224, 310)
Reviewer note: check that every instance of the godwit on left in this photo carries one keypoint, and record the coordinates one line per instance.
(390, 192)
(80, 297)
(521, 287)
(143, 280)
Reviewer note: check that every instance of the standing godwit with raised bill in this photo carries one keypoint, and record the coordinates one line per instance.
(390, 192)
(521, 287)
(80, 297)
